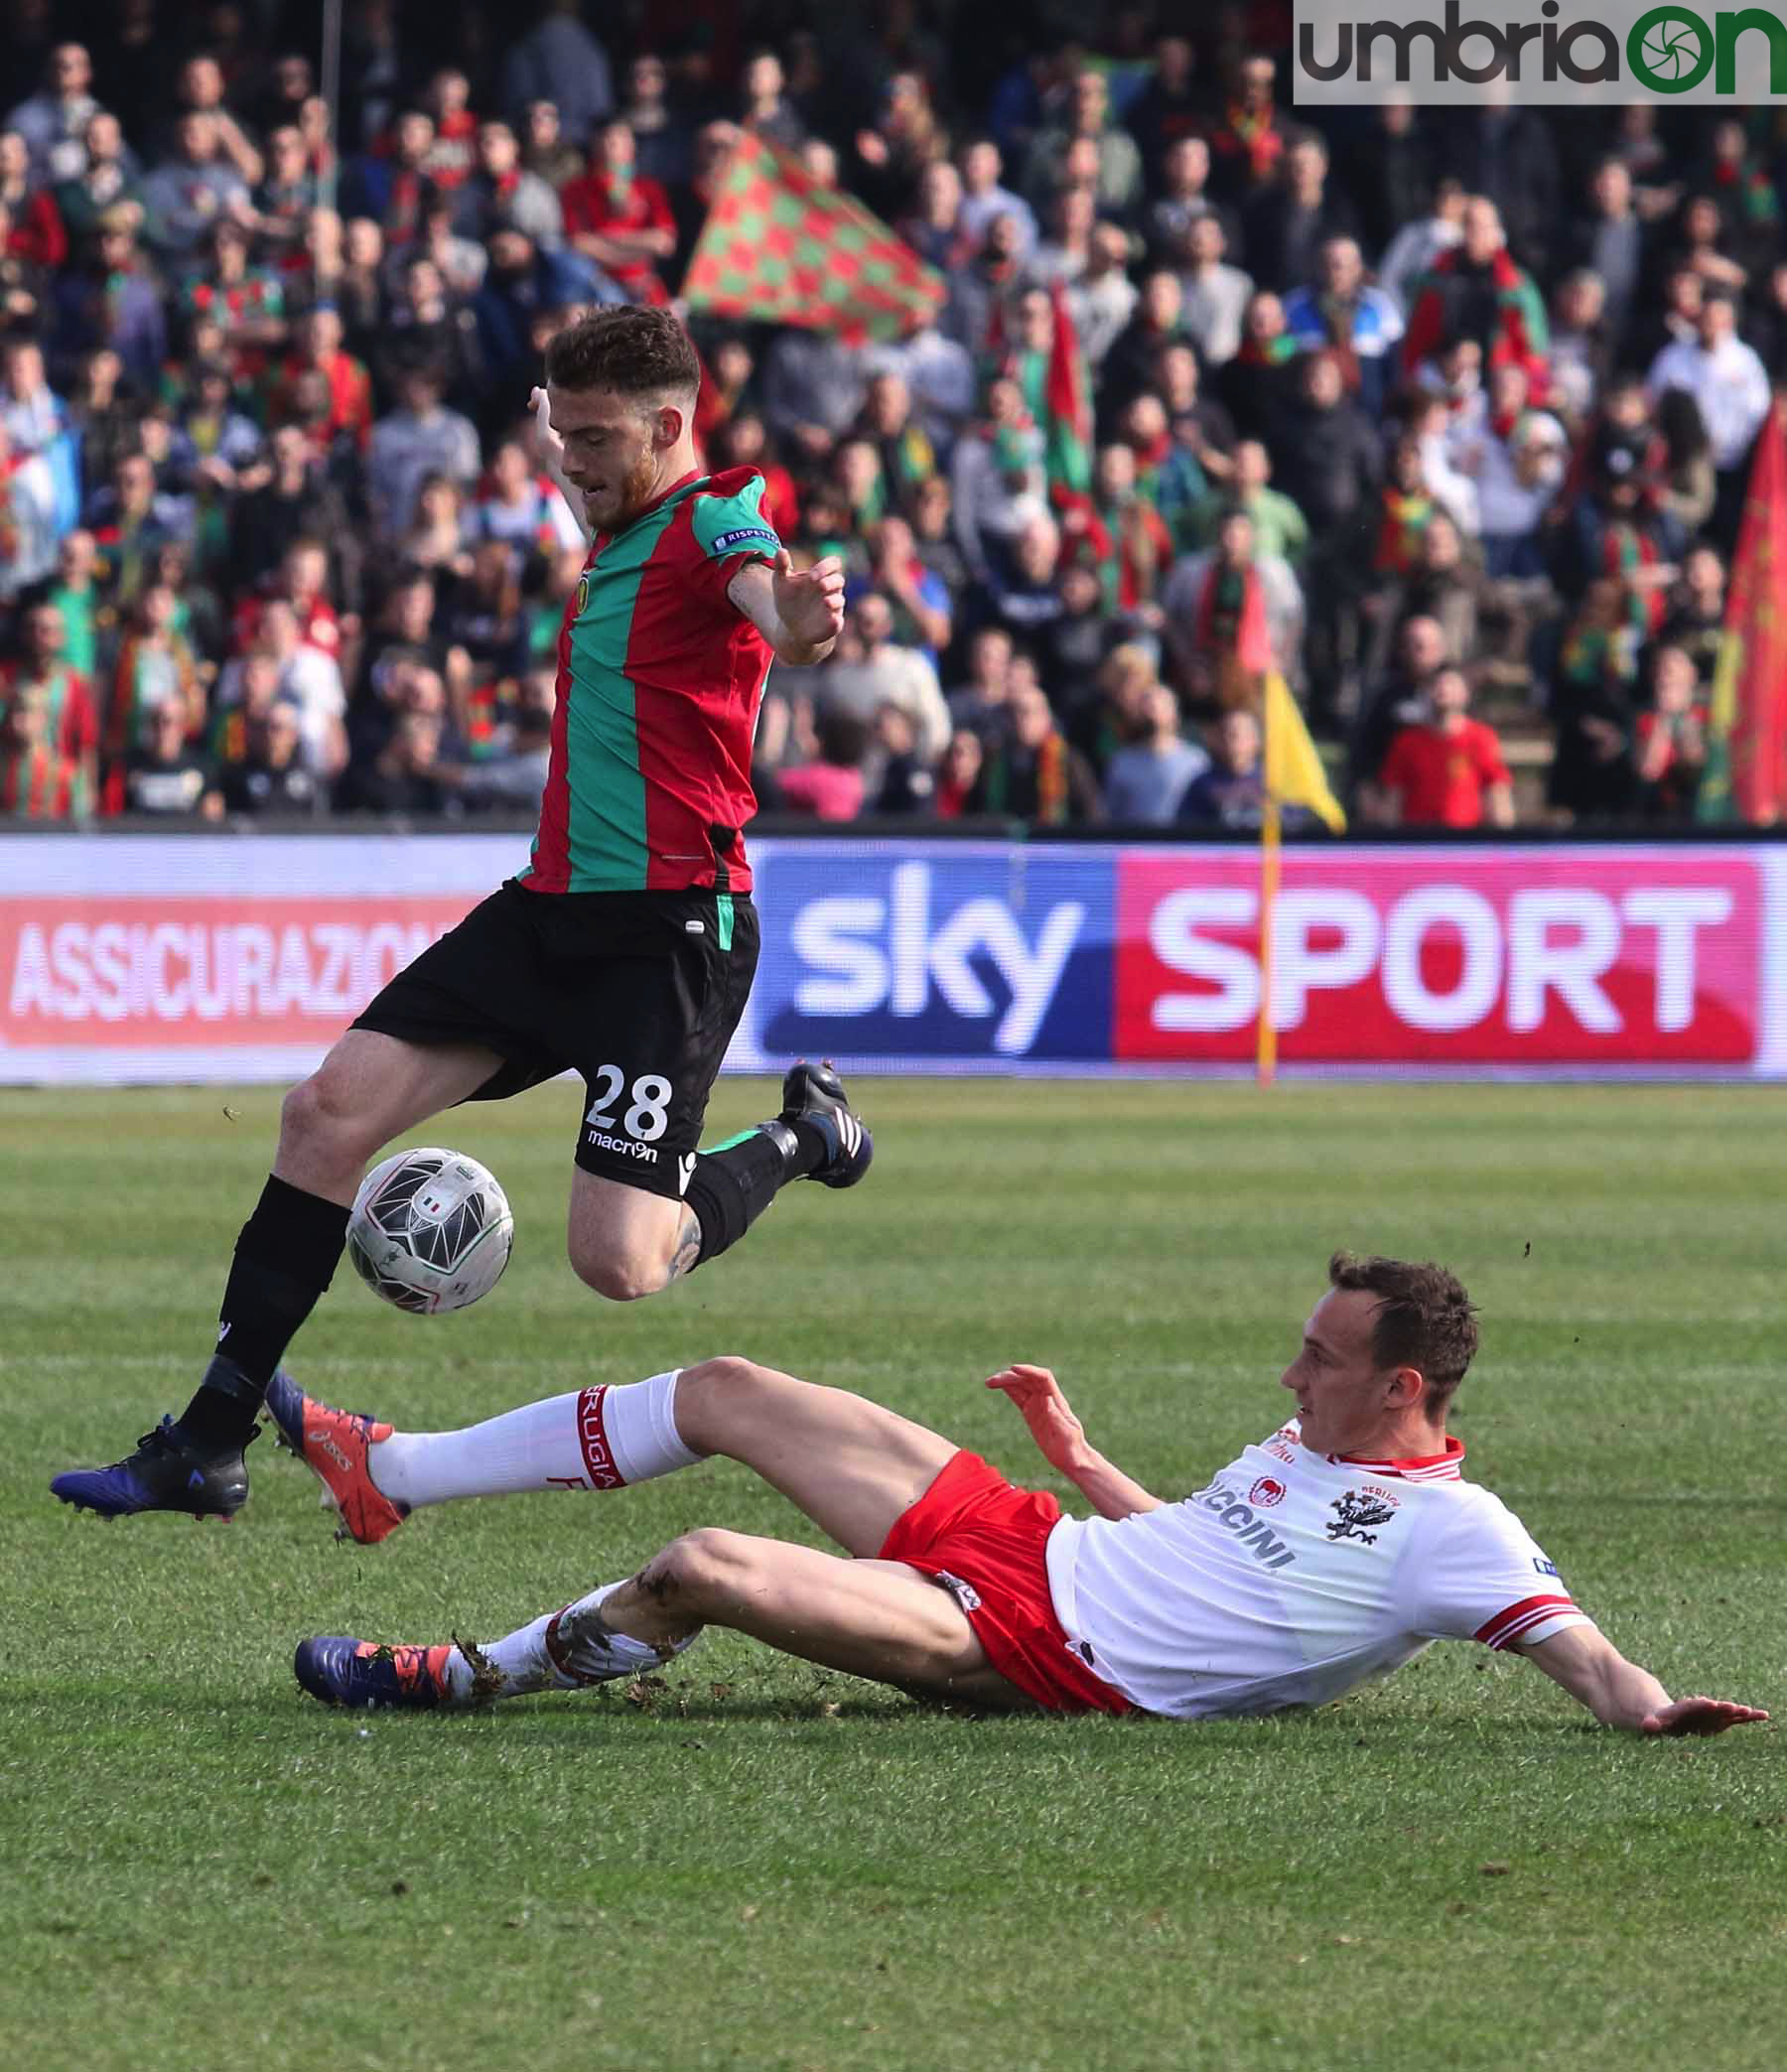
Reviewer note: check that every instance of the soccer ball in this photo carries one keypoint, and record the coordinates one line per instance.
(430, 1230)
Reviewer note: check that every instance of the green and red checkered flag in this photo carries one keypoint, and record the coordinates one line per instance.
(782, 247)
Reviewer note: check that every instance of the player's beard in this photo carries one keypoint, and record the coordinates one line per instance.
(638, 488)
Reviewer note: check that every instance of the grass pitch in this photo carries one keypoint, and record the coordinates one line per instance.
(773, 1868)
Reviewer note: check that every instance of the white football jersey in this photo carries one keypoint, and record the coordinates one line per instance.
(1294, 1576)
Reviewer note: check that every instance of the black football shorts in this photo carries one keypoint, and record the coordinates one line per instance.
(638, 991)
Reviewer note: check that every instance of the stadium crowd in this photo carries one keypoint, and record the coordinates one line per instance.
(1443, 414)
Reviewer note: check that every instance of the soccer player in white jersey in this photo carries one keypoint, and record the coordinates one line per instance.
(1334, 1549)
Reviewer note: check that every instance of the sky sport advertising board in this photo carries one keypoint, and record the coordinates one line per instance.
(212, 959)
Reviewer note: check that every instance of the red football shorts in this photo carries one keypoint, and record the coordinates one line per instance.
(985, 1539)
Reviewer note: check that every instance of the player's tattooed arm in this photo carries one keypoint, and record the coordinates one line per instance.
(1621, 1694)
(799, 612)
(1061, 1440)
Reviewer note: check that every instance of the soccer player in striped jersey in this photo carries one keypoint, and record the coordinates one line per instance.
(1332, 1552)
(624, 950)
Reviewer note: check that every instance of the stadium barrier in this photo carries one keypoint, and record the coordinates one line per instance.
(211, 958)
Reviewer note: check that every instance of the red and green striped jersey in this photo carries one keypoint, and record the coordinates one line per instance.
(659, 679)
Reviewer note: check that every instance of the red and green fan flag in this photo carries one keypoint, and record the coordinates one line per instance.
(782, 247)
(1745, 776)
(1067, 404)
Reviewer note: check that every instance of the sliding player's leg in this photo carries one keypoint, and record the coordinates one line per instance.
(850, 1465)
(871, 1619)
(369, 1089)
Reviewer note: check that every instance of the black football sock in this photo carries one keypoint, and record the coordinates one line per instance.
(734, 1183)
(284, 1259)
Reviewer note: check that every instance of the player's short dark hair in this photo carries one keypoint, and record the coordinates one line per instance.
(632, 351)
(1423, 1318)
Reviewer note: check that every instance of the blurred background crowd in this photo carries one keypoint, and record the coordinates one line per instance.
(1445, 415)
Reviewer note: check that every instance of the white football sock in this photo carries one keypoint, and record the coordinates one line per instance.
(589, 1438)
(559, 1651)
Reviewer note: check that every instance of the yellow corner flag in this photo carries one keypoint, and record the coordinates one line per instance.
(1293, 773)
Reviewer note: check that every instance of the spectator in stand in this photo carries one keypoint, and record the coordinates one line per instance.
(997, 480)
(1594, 691)
(44, 668)
(1103, 299)
(666, 142)
(1411, 254)
(1341, 316)
(1442, 586)
(1475, 291)
(1447, 770)
(419, 438)
(37, 780)
(436, 539)
(1607, 240)
(1259, 385)
(520, 506)
(501, 193)
(272, 776)
(908, 783)
(1515, 455)
(1084, 115)
(1398, 697)
(1182, 197)
(407, 777)
(36, 233)
(1131, 363)
(618, 217)
(1287, 225)
(980, 704)
(1233, 602)
(164, 774)
(285, 198)
(1329, 466)
(833, 785)
(546, 149)
(1582, 348)
(984, 198)
(1231, 793)
(1026, 599)
(1248, 143)
(1064, 254)
(54, 120)
(1031, 773)
(1394, 184)
(1670, 750)
(155, 663)
(560, 61)
(512, 775)
(27, 517)
(78, 598)
(958, 775)
(1145, 783)
(921, 601)
(1215, 295)
(1279, 526)
(1693, 613)
(186, 195)
(1730, 386)
(870, 670)
(813, 391)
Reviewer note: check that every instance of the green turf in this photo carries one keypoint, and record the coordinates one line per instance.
(774, 1867)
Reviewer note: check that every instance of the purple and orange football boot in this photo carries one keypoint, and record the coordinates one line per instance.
(340, 1670)
(335, 1444)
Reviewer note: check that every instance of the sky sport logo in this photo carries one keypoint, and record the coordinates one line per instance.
(1535, 52)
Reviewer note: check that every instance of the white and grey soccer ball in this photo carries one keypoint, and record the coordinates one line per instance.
(430, 1230)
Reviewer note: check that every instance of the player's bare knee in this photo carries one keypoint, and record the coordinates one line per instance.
(710, 1396)
(616, 1274)
(317, 1118)
(695, 1571)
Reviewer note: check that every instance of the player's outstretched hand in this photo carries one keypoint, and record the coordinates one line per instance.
(1701, 1715)
(810, 602)
(1061, 1437)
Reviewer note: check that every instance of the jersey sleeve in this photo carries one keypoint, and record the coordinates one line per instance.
(731, 528)
(1483, 1577)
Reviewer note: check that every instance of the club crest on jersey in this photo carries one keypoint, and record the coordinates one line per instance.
(583, 596)
(1356, 1513)
(1266, 1492)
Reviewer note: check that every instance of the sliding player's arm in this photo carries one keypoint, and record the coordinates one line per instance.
(552, 453)
(1061, 1439)
(1621, 1694)
(800, 612)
